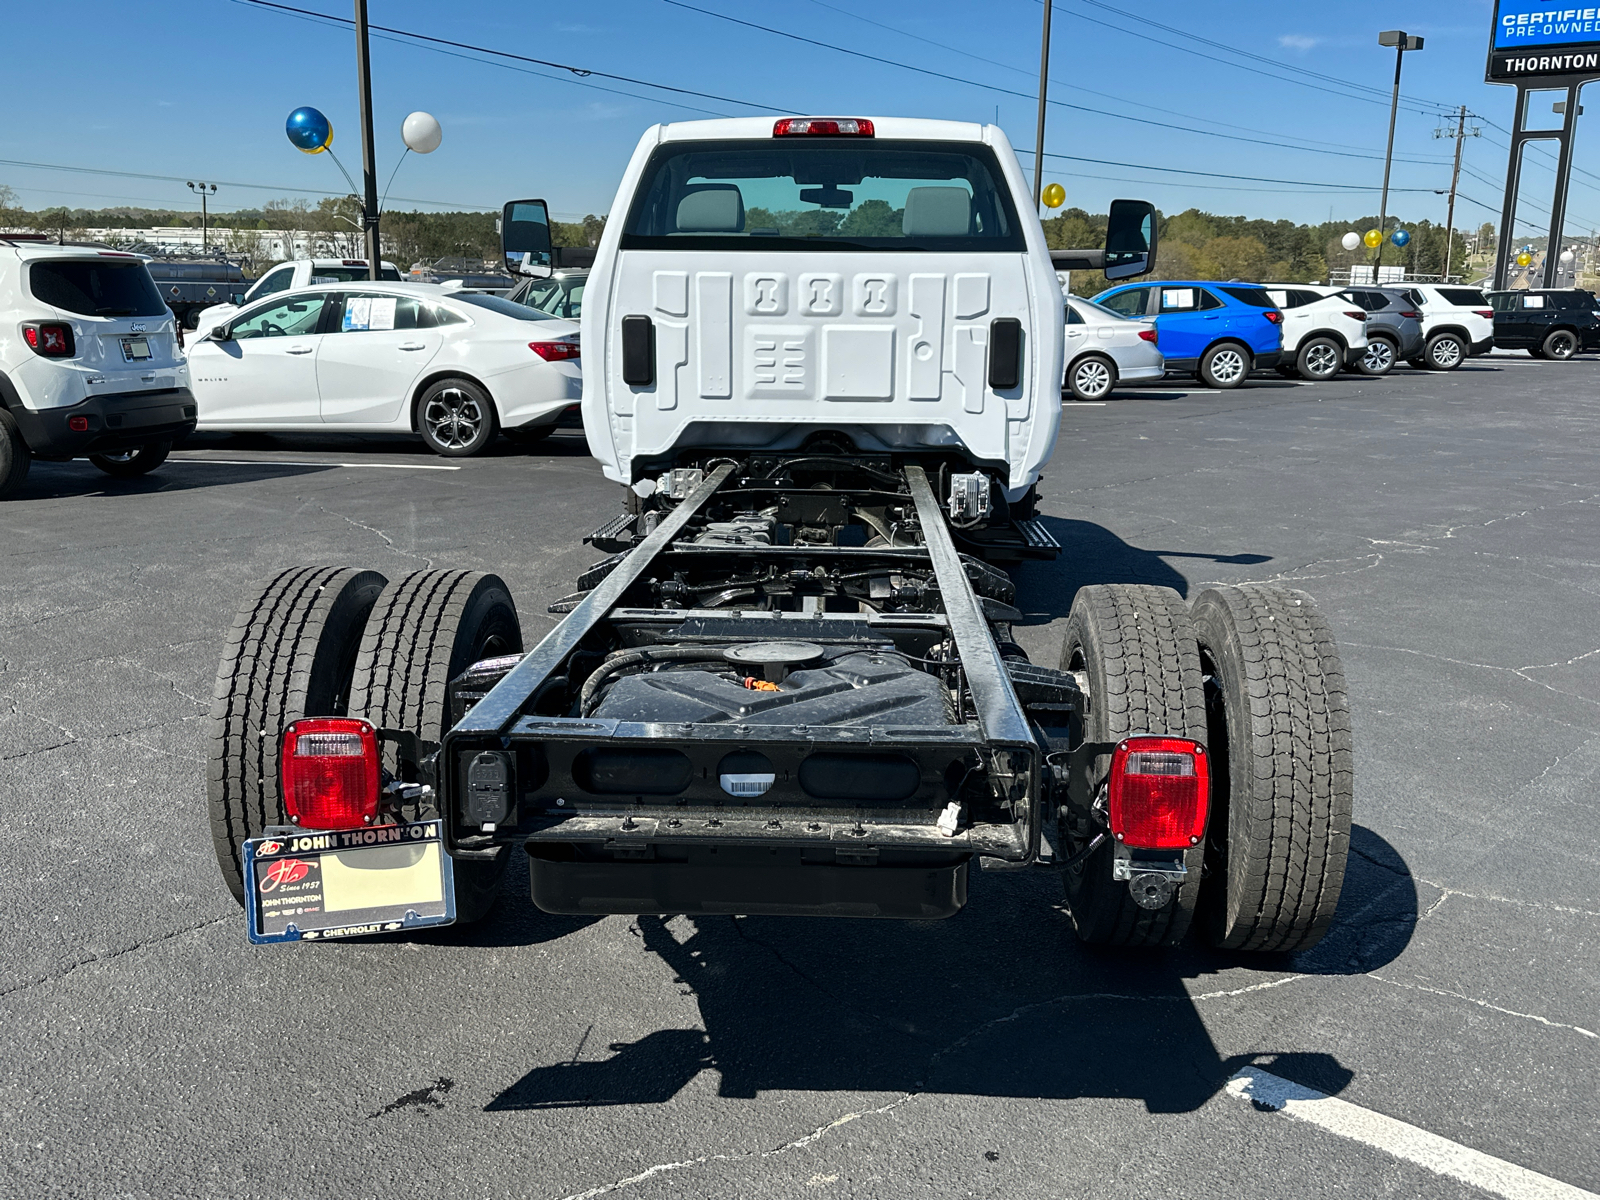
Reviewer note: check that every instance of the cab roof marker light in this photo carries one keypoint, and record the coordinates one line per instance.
(822, 126)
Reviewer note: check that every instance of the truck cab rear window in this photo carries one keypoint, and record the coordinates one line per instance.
(97, 288)
(855, 195)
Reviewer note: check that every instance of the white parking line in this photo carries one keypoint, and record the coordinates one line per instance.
(1403, 1141)
(283, 462)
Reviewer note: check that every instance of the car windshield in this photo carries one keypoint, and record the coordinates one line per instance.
(557, 297)
(321, 274)
(849, 193)
(499, 304)
(97, 288)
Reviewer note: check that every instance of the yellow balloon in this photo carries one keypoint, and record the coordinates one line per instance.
(1524, 259)
(1373, 239)
(1054, 195)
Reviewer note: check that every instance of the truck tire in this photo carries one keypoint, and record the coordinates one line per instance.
(1445, 352)
(1559, 345)
(425, 631)
(15, 457)
(1092, 377)
(130, 464)
(289, 654)
(456, 418)
(1225, 365)
(1281, 783)
(1319, 358)
(1134, 647)
(1379, 358)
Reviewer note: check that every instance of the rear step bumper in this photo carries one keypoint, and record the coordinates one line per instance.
(912, 893)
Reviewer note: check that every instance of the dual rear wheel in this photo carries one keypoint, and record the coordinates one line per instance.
(1252, 673)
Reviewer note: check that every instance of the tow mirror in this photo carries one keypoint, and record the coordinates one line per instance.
(525, 237)
(1130, 239)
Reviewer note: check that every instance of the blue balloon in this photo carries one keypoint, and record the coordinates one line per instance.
(1400, 237)
(309, 130)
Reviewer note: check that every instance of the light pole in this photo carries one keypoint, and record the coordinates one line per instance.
(201, 190)
(1044, 79)
(369, 161)
(1401, 41)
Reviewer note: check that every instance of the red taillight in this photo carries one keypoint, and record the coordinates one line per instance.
(823, 126)
(329, 768)
(1148, 335)
(49, 339)
(554, 351)
(78, 424)
(1274, 316)
(1355, 315)
(1409, 315)
(355, 262)
(1159, 792)
(1484, 312)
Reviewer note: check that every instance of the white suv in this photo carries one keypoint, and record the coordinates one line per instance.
(1457, 323)
(1321, 332)
(89, 362)
(764, 283)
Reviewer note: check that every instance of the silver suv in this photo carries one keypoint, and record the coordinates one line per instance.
(89, 362)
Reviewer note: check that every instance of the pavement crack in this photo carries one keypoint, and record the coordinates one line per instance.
(1520, 672)
(54, 976)
(1510, 1012)
(387, 540)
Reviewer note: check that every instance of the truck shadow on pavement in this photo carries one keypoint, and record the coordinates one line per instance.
(1000, 1000)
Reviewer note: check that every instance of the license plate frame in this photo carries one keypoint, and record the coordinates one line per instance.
(135, 349)
(309, 885)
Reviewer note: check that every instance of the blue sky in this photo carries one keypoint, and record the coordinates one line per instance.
(203, 90)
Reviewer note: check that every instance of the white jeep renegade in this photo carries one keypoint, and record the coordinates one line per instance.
(89, 362)
(886, 279)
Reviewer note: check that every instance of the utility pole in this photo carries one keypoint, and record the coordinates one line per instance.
(1044, 79)
(1401, 41)
(1455, 178)
(205, 236)
(369, 162)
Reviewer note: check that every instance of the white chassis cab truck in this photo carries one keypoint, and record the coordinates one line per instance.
(823, 362)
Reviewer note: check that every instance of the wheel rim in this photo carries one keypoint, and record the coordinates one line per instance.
(1092, 379)
(1446, 352)
(1322, 360)
(453, 418)
(1379, 356)
(1560, 346)
(1227, 366)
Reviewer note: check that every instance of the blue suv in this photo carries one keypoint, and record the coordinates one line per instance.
(1219, 331)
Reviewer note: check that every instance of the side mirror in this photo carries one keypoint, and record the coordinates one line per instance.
(222, 333)
(1130, 239)
(525, 236)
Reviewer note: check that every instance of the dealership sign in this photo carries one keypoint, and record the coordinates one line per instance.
(1536, 39)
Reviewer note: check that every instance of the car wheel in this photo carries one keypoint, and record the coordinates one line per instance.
(456, 418)
(130, 464)
(1319, 359)
(1379, 357)
(1445, 352)
(1224, 366)
(15, 457)
(528, 435)
(1092, 377)
(1560, 345)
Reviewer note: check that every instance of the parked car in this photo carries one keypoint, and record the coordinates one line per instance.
(1105, 348)
(301, 273)
(453, 366)
(89, 362)
(1217, 331)
(1322, 334)
(1457, 323)
(1394, 327)
(559, 294)
(1546, 322)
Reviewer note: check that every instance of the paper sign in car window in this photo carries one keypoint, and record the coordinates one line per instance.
(1177, 297)
(357, 313)
(1533, 302)
(381, 315)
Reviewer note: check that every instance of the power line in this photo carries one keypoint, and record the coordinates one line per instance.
(876, 58)
(1341, 187)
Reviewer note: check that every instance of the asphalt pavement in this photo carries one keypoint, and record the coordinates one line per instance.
(1441, 1042)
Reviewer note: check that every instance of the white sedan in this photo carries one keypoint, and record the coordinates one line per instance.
(1105, 348)
(453, 366)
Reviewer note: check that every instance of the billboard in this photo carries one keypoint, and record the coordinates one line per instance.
(1534, 39)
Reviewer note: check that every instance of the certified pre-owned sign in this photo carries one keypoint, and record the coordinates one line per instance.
(1536, 39)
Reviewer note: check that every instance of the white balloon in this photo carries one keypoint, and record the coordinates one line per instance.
(1568, 256)
(1350, 241)
(421, 132)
